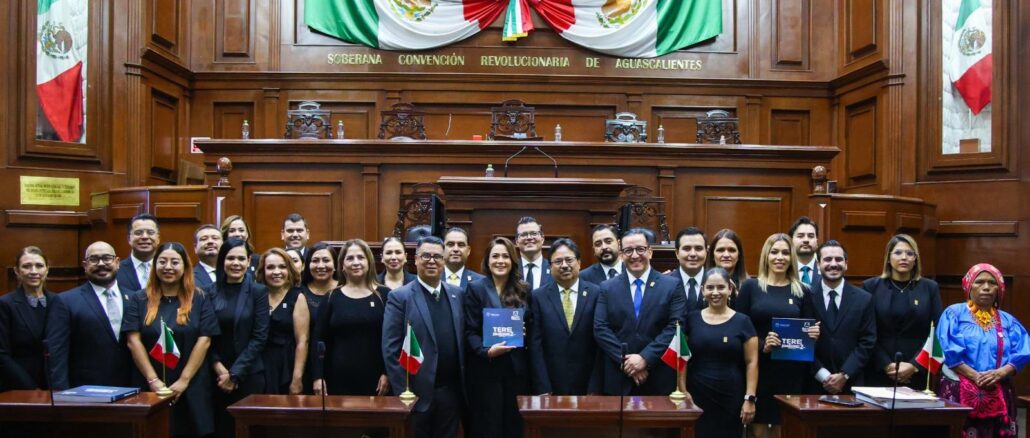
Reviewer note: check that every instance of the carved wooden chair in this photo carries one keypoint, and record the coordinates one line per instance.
(308, 122)
(644, 210)
(513, 120)
(402, 122)
(716, 125)
(416, 208)
(625, 128)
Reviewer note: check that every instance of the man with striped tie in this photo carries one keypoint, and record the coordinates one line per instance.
(805, 235)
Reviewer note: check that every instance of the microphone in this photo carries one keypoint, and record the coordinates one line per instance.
(46, 370)
(622, 392)
(325, 388)
(894, 395)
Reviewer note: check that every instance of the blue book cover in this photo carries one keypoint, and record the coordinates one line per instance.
(94, 394)
(503, 325)
(795, 343)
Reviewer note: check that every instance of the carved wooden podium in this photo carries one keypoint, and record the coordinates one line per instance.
(29, 414)
(598, 416)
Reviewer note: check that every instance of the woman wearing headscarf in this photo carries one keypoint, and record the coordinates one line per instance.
(983, 347)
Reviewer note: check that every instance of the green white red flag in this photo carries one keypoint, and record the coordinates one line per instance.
(932, 355)
(60, 40)
(165, 350)
(411, 352)
(972, 66)
(678, 353)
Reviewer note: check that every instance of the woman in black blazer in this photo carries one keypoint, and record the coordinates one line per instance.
(905, 304)
(497, 373)
(394, 259)
(241, 307)
(22, 324)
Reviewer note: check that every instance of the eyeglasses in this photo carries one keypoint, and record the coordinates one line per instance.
(104, 259)
(528, 234)
(640, 250)
(139, 233)
(431, 257)
(565, 261)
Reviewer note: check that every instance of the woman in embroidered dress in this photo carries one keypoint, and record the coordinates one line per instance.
(983, 348)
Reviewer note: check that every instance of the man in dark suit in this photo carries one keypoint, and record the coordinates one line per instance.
(634, 322)
(433, 309)
(295, 234)
(848, 324)
(691, 250)
(529, 236)
(804, 234)
(84, 327)
(457, 249)
(144, 237)
(562, 350)
(606, 250)
(207, 240)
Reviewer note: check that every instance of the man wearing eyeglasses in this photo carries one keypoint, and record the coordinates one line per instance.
(144, 237)
(635, 320)
(529, 236)
(83, 328)
(433, 308)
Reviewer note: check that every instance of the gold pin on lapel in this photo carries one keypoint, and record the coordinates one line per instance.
(371, 304)
(917, 302)
(790, 301)
(651, 285)
(725, 339)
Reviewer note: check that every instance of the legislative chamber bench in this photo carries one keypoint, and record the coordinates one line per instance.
(29, 413)
(262, 415)
(599, 416)
(804, 416)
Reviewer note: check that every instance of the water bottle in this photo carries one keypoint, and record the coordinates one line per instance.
(557, 132)
(245, 131)
(489, 170)
(661, 134)
(339, 130)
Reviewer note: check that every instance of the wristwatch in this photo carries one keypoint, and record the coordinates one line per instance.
(750, 398)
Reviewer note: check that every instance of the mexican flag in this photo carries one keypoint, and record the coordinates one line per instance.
(59, 64)
(971, 44)
(401, 24)
(633, 28)
(411, 353)
(678, 353)
(165, 350)
(932, 355)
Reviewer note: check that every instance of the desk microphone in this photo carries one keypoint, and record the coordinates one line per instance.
(622, 390)
(894, 396)
(325, 388)
(46, 370)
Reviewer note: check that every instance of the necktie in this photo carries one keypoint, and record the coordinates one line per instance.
(611, 273)
(113, 314)
(454, 279)
(831, 311)
(638, 295)
(806, 276)
(691, 291)
(144, 269)
(529, 275)
(566, 304)
(436, 294)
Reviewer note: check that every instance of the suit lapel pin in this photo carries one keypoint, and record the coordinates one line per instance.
(468, 278)
(453, 296)
(725, 339)
(285, 306)
(917, 302)
(584, 292)
(790, 301)
(371, 304)
(651, 284)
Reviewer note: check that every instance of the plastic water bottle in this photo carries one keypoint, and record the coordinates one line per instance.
(557, 132)
(339, 130)
(245, 131)
(661, 134)
(489, 170)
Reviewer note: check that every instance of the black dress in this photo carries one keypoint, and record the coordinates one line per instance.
(281, 347)
(902, 324)
(352, 330)
(193, 413)
(716, 374)
(774, 376)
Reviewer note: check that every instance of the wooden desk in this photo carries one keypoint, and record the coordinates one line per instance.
(28, 413)
(1023, 401)
(555, 415)
(302, 414)
(805, 417)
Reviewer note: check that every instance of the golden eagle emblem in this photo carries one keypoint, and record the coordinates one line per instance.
(616, 13)
(413, 10)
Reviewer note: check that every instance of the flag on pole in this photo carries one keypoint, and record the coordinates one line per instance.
(932, 356)
(972, 68)
(411, 353)
(59, 64)
(165, 350)
(678, 353)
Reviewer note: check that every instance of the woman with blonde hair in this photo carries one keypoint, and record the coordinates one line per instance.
(777, 292)
(286, 351)
(22, 321)
(905, 303)
(350, 325)
(171, 300)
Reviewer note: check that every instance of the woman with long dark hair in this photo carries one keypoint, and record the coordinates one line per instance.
(319, 276)
(234, 227)
(171, 300)
(394, 259)
(286, 351)
(23, 322)
(499, 373)
(726, 251)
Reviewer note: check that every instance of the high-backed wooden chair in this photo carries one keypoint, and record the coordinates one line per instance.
(513, 120)
(416, 208)
(718, 124)
(308, 122)
(625, 128)
(402, 122)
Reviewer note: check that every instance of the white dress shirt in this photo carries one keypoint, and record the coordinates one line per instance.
(643, 287)
(137, 265)
(538, 271)
(209, 269)
(572, 297)
(447, 274)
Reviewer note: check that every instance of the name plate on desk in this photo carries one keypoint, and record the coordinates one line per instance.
(794, 342)
(503, 325)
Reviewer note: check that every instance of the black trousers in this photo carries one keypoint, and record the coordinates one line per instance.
(443, 417)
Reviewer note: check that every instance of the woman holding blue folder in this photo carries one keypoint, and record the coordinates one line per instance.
(497, 373)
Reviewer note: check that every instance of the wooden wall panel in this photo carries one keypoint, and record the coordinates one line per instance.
(862, 37)
(681, 123)
(790, 127)
(234, 31)
(265, 204)
(165, 21)
(861, 141)
(164, 135)
(228, 119)
(792, 34)
(737, 208)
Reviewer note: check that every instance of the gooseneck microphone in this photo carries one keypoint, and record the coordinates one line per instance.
(46, 370)
(325, 387)
(894, 395)
(622, 390)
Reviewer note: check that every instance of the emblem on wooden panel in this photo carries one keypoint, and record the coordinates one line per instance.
(616, 13)
(413, 10)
